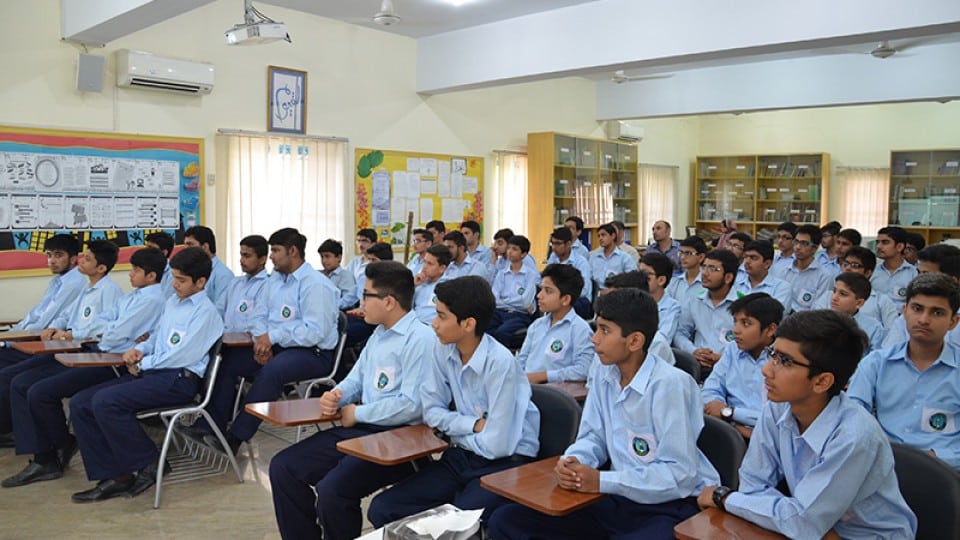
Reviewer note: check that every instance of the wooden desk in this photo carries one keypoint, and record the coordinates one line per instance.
(93, 359)
(395, 446)
(292, 412)
(52, 346)
(20, 335)
(576, 389)
(237, 339)
(715, 524)
(535, 485)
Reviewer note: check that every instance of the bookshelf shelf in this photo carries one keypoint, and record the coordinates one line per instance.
(925, 192)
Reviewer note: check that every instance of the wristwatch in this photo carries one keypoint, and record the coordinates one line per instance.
(727, 413)
(719, 495)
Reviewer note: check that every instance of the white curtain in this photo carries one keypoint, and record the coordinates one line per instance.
(657, 183)
(278, 181)
(866, 192)
(511, 195)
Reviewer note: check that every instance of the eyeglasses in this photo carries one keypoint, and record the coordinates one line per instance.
(803, 243)
(786, 237)
(734, 247)
(827, 235)
(855, 266)
(418, 240)
(710, 269)
(688, 253)
(781, 360)
(909, 249)
(374, 295)
(557, 242)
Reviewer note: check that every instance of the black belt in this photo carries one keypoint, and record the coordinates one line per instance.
(187, 374)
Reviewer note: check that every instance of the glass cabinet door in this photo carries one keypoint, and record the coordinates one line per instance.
(788, 189)
(726, 188)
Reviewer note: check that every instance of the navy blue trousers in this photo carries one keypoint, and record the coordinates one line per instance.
(340, 482)
(112, 442)
(287, 365)
(358, 331)
(584, 308)
(8, 358)
(613, 517)
(505, 323)
(454, 479)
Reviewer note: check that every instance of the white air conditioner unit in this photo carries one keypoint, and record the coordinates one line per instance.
(624, 131)
(137, 69)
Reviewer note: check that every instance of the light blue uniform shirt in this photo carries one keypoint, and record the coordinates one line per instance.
(829, 265)
(839, 470)
(563, 349)
(480, 255)
(298, 310)
(877, 307)
(680, 290)
(668, 310)
(83, 316)
(515, 291)
(648, 430)
(872, 328)
(357, 266)
(737, 381)
(780, 264)
(166, 282)
(893, 284)
(60, 294)
(386, 378)
(920, 409)
(897, 333)
(777, 288)
(184, 334)
(580, 264)
(346, 286)
(705, 326)
(136, 314)
(425, 302)
(502, 263)
(467, 268)
(602, 266)
(580, 249)
(805, 286)
(491, 385)
(238, 305)
(416, 264)
(219, 282)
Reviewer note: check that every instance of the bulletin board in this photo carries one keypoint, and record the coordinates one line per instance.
(113, 186)
(389, 184)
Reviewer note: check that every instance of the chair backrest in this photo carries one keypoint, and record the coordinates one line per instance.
(724, 447)
(559, 419)
(341, 343)
(931, 489)
(213, 366)
(687, 362)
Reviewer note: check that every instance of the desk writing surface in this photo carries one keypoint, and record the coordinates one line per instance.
(290, 412)
(535, 485)
(395, 446)
(576, 389)
(52, 346)
(715, 524)
(20, 335)
(91, 359)
(237, 339)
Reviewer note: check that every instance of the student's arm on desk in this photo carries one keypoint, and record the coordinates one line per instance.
(589, 451)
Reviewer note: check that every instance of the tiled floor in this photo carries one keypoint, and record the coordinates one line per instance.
(209, 508)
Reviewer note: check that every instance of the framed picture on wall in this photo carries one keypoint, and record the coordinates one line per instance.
(286, 100)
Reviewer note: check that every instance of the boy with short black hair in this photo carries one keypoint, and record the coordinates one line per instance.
(659, 270)
(492, 425)
(460, 264)
(575, 224)
(757, 259)
(561, 252)
(912, 247)
(893, 275)
(705, 327)
(692, 251)
(942, 258)
(829, 257)
(435, 262)
(437, 228)
(850, 291)
(608, 259)
(649, 439)
(379, 393)
(165, 370)
(806, 277)
(734, 389)
(364, 239)
(786, 232)
(557, 347)
(239, 303)
(220, 276)
(862, 261)
(331, 254)
(913, 386)
(471, 233)
(165, 243)
(514, 289)
(846, 239)
(422, 239)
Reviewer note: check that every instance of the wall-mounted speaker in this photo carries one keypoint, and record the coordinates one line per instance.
(90, 73)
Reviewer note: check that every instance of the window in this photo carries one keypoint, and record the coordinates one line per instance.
(277, 181)
(865, 196)
(511, 194)
(656, 198)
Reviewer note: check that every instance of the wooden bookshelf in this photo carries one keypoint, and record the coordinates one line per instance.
(569, 175)
(760, 191)
(925, 192)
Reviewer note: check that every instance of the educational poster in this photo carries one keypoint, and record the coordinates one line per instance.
(391, 184)
(96, 185)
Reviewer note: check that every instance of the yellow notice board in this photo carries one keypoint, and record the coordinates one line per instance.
(389, 184)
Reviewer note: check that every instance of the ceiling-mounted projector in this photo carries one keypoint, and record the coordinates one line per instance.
(257, 33)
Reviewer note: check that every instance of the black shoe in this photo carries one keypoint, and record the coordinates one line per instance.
(194, 432)
(146, 478)
(66, 453)
(233, 442)
(105, 489)
(34, 472)
(6, 440)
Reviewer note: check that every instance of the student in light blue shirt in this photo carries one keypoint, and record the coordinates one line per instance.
(498, 254)
(757, 258)
(575, 224)
(359, 330)
(165, 243)
(829, 257)
(294, 334)
(943, 258)
(365, 238)
(659, 270)
(380, 392)
(862, 261)
(461, 265)
(331, 254)
(561, 252)
(514, 290)
(422, 239)
(475, 251)
(493, 424)
(41, 383)
(835, 459)
(914, 387)
(65, 286)
(850, 290)
(220, 276)
(786, 232)
(893, 275)
(239, 303)
(557, 347)
(608, 259)
(435, 262)
(734, 390)
(706, 326)
(165, 370)
(643, 417)
(692, 251)
(807, 280)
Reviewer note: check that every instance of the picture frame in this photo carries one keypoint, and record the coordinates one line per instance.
(286, 100)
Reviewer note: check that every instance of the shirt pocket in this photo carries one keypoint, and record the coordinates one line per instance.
(638, 443)
(176, 337)
(938, 419)
(385, 378)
